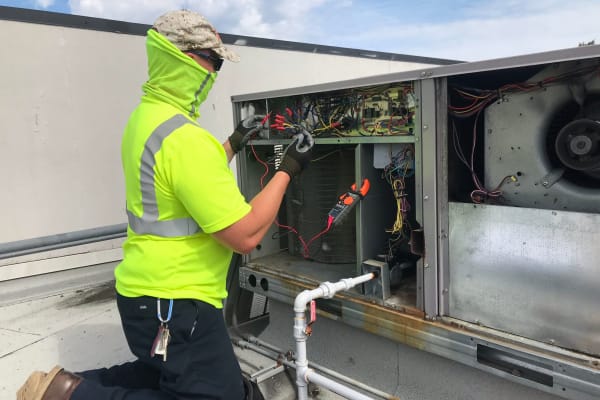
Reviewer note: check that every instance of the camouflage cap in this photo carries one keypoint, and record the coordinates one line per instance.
(188, 30)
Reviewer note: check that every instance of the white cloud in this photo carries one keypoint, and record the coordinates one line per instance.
(285, 19)
(297, 9)
(489, 30)
(479, 30)
(217, 9)
(142, 11)
(518, 33)
(44, 3)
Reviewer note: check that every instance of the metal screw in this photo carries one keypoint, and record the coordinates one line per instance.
(445, 290)
(426, 265)
(425, 127)
(545, 183)
(426, 197)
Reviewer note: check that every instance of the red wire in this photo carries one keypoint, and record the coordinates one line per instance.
(264, 164)
(318, 235)
(465, 107)
(305, 252)
(305, 249)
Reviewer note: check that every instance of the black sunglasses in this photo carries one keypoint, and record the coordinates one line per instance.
(217, 62)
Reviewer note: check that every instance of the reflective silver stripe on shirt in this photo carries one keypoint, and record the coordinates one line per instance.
(200, 89)
(148, 223)
(170, 228)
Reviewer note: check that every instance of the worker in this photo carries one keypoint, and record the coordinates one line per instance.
(186, 218)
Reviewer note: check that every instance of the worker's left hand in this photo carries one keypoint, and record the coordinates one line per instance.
(247, 128)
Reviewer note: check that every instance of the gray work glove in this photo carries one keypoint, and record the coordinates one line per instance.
(297, 155)
(247, 128)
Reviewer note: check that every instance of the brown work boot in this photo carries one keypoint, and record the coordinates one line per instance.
(57, 384)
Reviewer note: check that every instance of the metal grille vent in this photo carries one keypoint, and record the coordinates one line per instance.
(310, 200)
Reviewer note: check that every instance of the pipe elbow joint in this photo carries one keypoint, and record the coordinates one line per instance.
(301, 301)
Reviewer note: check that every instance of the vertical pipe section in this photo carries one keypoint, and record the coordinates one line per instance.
(325, 290)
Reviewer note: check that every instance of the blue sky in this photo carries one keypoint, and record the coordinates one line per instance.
(454, 29)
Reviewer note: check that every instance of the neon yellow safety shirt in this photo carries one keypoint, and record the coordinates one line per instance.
(179, 186)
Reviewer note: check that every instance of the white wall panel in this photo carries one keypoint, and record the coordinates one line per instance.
(65, 99)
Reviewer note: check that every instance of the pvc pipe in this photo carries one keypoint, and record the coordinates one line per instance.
(301, 360)
(334, 386)
(353, 382)
(326, 290)
(61, 240)
(278, 354)
(303, 373)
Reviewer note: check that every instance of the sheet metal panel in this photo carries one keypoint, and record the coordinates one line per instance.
(428, 198)
(575, 376)
(550, 57)
(531, 272)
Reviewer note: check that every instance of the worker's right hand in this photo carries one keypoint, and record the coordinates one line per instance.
(247, 128)
(297, 155)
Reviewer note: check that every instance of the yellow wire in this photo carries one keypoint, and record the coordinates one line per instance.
(398, 188)
(319, 116)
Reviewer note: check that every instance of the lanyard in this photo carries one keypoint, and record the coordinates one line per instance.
(158, 313)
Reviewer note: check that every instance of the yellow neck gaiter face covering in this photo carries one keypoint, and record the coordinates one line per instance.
(174, 77)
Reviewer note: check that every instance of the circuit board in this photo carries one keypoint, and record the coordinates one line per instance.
(384, 110)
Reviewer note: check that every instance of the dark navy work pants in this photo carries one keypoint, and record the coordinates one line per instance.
(200, 360)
